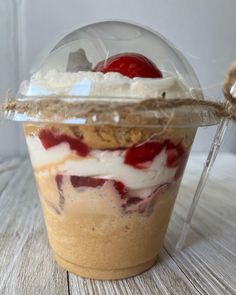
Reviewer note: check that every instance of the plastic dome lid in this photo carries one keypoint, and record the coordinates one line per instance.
(67, 85)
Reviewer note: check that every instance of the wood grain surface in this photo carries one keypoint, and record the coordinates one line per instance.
(207, 264)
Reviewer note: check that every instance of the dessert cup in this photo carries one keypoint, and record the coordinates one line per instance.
(107, 150)
(107, 193)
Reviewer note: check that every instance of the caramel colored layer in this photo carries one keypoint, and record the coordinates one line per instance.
(92, 237)
(113, 137)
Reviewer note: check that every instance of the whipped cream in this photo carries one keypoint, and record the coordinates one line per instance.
(99, 84)
(41, 157)
(110, 165)
(103, 164)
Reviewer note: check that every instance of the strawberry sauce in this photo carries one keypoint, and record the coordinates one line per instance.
(141, 156)
(50, 139)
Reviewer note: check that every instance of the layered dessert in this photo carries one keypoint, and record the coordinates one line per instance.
(108, 191)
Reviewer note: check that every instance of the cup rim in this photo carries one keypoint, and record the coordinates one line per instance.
(119, 111)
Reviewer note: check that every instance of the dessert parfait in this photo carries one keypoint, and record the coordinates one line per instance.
(107, 190)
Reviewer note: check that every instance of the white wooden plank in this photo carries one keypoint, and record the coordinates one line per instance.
(221, 200)
(9, 164)
(225, 164)
(5, 178)
(209, 258)
(26, 264)
(7, 170)
(208, 267)
(216, 209)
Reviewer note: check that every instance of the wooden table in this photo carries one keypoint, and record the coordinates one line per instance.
(206, 266)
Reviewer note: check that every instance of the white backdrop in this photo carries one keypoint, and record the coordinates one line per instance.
(203, 30)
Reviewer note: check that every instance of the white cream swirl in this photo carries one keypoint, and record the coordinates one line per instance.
(100, 85)
(100, 164)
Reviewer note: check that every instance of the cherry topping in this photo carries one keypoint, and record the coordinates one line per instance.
(50, 139)
(129, 64)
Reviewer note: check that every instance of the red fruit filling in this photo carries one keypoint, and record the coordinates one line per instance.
(120, 187)
(141, 156)
(84, 181)
(50, 139)
(127, 202)
(129, 64)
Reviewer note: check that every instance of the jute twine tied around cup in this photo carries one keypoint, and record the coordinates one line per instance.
(58, 106)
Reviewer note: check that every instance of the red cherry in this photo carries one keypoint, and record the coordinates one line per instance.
(141, 156)
(49, 139)
(129, 64)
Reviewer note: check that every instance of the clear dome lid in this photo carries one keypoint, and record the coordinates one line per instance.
(83, 49)
(105, 71)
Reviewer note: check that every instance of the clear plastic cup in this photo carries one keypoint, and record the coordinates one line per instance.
(109, 224)
(108, 162)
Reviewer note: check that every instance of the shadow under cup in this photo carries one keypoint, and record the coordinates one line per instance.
(107, 193)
